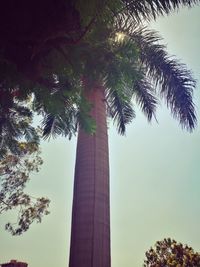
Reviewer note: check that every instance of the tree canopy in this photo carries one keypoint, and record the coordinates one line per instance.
(169, 253)
(47, 47)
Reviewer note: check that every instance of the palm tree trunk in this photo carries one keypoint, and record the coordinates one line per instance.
(90, 233)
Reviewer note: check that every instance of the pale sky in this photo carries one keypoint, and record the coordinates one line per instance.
(154, 173)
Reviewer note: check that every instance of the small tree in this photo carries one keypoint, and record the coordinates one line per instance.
(169, 253)
(15, 170)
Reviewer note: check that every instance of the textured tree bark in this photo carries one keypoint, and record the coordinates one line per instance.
(90, 233)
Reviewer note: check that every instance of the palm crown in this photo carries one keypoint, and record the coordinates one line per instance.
(136, 69)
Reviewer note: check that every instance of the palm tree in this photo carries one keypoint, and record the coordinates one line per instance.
(138, 68)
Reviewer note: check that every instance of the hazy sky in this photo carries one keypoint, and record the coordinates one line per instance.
(155, 178)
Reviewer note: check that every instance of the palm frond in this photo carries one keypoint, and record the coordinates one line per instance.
(30, 134)
(124, 80)
(49, 126)
(145, 98)
(60, 124)
(53, 126)
(150, 9)
(120, 108)
(173, 80)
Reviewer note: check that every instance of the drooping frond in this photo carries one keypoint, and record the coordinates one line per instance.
(144, 94)
(30, 134)
(58, 110)
(125, 79)
(173, 80)
(150, 9)
(65, 121)
(59, 124)
(120, 108)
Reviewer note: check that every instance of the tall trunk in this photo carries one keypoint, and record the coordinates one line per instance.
(90, 233)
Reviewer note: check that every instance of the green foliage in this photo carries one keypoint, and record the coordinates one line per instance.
(88, 9)
(84, 118)
(82, 43)
(151, 9)
(15, 122)
(169, 253)
(15, 171)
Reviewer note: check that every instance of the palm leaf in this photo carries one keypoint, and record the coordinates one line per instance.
(145, 98)
(53, 126)
(120, 108)
(30, 134)
(150, 9)
(173, 80)
(60, 124)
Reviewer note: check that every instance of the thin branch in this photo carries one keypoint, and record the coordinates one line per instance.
(7, 204)
(66, 41)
